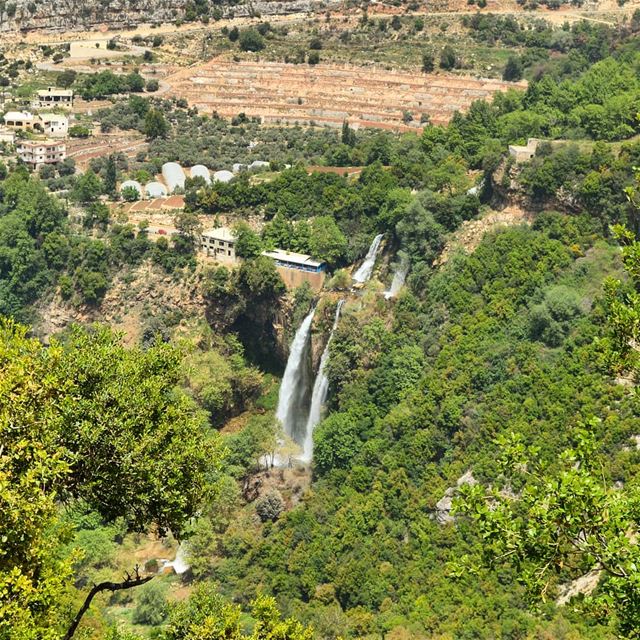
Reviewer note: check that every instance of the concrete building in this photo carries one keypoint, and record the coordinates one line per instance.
(54, 124)
(20, 120)
(35, 153)
(524, 153)
(7, 135)
(296, 268)
(219, 244)
(53, 97)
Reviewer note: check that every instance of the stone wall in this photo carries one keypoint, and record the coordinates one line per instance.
(293, 278)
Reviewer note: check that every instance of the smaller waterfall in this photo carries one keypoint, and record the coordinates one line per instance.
(320, 391)
(294, 388)
(179, 565)
(366, 268)
(399, 276)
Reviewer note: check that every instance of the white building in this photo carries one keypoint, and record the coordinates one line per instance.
(54, 125)
(38, 152)
(7, 135)
(53, 97)
(219, 244)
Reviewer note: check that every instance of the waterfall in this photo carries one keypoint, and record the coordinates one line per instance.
(366, 268)
(319, 395)
(399, 276)
(179, 565)
(294, 389)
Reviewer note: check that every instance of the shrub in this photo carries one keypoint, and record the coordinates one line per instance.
(448, 58)
(151, 607)
(314, 57)
(270, 506)
(251, 40)
(513, 69)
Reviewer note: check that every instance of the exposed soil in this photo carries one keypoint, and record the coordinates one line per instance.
(328, 94)
(468, 237)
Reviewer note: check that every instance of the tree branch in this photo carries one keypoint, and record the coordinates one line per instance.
(128, 583)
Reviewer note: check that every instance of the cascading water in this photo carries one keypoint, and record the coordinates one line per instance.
(399, 276)
(366, 268)
(293, 399)
(319, 395)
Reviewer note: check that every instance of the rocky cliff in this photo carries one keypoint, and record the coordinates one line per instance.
(70, 15)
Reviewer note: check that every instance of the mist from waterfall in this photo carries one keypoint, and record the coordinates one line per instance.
(366, 268)
(320, 392)
(293, 398)
(399, 276)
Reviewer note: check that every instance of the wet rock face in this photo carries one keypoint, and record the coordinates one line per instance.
(26, 15)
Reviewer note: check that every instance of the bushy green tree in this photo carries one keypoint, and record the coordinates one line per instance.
(98, 423)
(250, 40)
(155, 124)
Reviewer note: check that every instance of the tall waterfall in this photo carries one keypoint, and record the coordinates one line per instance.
(319, 395)
(294, 390)
(366, 268)
(399, 276)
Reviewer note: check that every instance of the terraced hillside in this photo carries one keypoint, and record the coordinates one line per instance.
(329, 94)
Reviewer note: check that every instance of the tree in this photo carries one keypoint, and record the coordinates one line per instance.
(448, 58)
(248, 243)
(270, 506)
(206, 616)
(87, 188)
(134, 82)
(189, 226)
(151, 605)
(155, 124)
(87, 420)
(513, 69)
(326, 241)
(110, 175)
(428, 62)
(563, 524)
(152, 85)
(251, 40)
(130, 194)
(348, 135)
(314, 58)
(234, 34)
(79, 131)
(67, 78)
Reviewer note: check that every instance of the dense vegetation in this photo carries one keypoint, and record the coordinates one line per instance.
(514, 352)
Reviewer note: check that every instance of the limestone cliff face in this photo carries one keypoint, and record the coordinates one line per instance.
(70, 15)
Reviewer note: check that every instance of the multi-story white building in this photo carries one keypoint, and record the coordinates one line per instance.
(35, 153)
(220, 244)
(53, 97)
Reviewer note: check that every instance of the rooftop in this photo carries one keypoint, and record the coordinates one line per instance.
(57, 92)
(18, 115)
(290, 256)
(41, 143)
(221, 233)
(51, 117)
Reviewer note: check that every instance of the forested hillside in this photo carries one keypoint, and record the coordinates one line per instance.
(475, 470)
